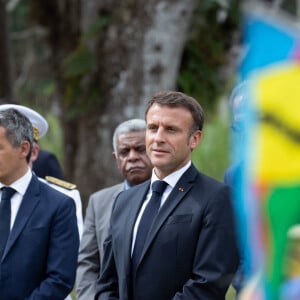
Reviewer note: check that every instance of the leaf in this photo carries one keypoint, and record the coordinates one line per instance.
(95, 27)
(80, 62)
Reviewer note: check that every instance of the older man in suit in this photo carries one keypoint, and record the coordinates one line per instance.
(38, 229)
(183, 245)
(129, 151)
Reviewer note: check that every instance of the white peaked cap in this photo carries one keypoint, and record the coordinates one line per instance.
(39, 123)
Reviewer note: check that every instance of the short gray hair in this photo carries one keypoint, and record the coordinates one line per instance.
(131, 125)
(18, 128)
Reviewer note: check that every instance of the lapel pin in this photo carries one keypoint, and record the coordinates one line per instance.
(181, 189)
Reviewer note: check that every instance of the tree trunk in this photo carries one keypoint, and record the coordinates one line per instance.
(6, 90)
(136, 52)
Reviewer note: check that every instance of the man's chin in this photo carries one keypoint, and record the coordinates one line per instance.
(159, 163)
(134, 180)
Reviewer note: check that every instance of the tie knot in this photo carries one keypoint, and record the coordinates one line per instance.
(159, 186)
(7, 193)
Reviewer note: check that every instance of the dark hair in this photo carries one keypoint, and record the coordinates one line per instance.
(18, 128)
(178, 99)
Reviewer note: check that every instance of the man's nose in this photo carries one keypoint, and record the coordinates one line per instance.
(159, 135)
(133, 154)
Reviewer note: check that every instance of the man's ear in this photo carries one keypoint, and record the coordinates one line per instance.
(35, 152)
(24, 148)
(195, 139)
(114, 155)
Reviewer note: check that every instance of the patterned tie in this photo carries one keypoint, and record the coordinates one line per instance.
(7, 193)
(150, 212)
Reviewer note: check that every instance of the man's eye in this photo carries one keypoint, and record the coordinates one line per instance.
(123, 153)
(152, 128)
(141, 150)
(171, 129)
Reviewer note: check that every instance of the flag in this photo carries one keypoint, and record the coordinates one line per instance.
(268, 198)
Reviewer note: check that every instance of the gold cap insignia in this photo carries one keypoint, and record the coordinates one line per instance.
(35, 133)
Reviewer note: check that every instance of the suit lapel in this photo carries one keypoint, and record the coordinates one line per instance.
(130, 218)
(119, 188)
(180, 190)
(28, 204)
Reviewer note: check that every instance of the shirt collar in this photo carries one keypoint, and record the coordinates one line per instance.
(21, 184)
(172, 178)
(126, 185)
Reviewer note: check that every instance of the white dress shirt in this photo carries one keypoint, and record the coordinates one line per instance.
(20, 186)
(171, 180)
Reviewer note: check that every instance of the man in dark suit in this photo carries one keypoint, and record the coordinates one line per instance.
(38, 255)
(40, 127)
(190, 249)
(129, 151)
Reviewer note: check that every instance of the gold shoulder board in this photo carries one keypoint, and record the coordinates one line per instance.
(62, 183)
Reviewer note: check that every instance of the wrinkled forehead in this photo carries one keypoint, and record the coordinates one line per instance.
(131, 138)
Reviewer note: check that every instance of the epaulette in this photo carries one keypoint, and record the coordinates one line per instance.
(62, 183)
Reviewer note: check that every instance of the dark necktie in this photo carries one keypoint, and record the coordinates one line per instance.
(5, 213)
(150, 212)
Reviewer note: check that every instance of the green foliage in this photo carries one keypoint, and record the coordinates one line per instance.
(79, 103)
(19, 17)
(80, 62)
(43, 87)
(206, 51)
(95, 28)
(52, 141)
(211, 156)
